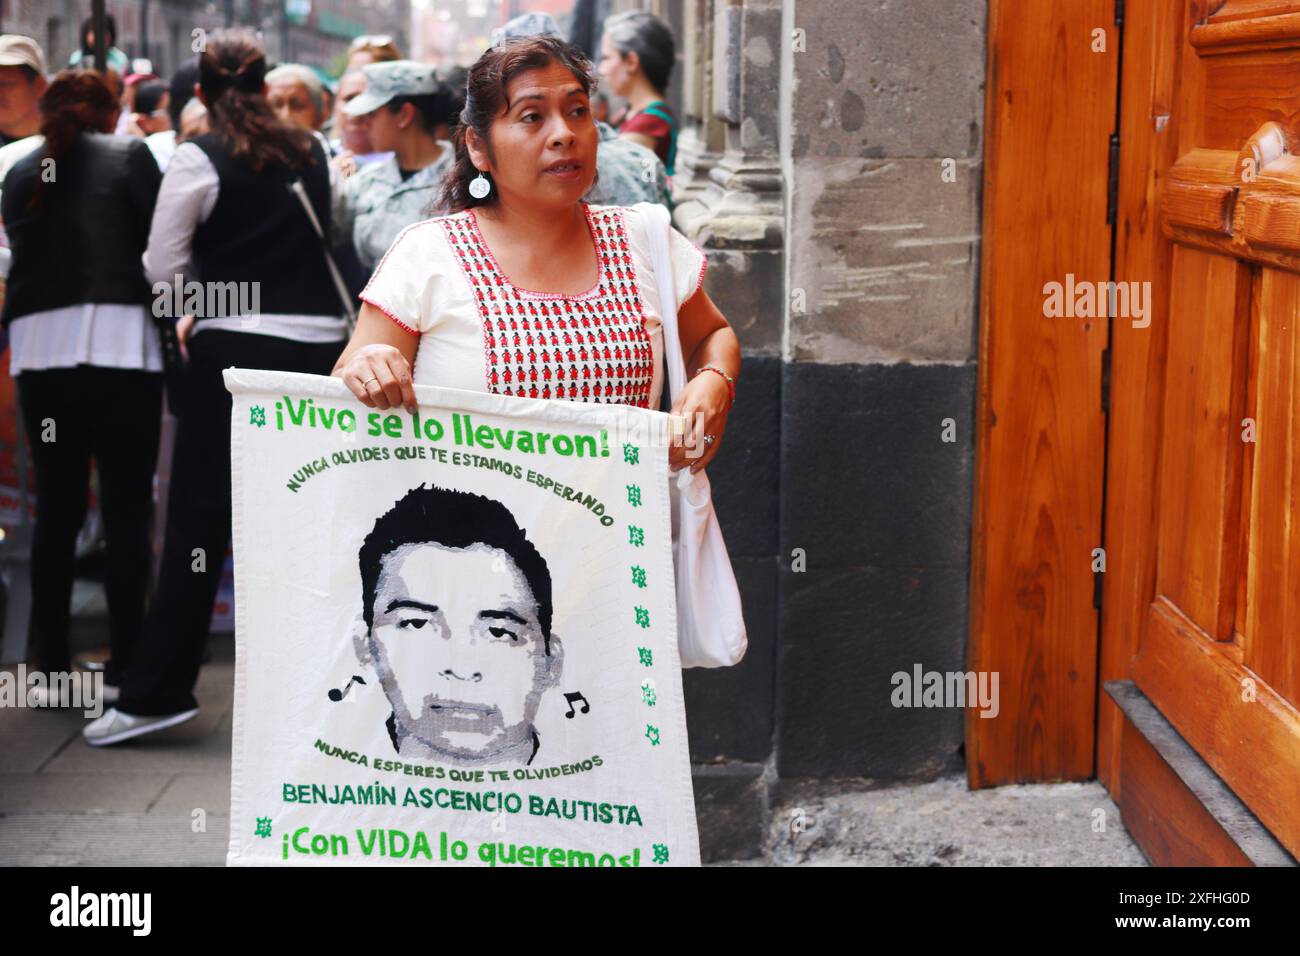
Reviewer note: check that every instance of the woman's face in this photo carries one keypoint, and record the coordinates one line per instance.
(547, 121)
(614, 68)
(351, 129)
(292, 102)
(385, 128)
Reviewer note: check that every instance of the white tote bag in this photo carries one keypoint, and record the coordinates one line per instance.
(710, 624)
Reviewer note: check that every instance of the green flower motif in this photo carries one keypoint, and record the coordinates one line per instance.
(257, 416)
(631, 454)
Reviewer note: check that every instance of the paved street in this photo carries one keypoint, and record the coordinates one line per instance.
(63, 802)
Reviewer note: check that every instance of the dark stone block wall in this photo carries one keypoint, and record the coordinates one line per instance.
(881, 506)
(731, 710)
(848, 463)
(833, 175)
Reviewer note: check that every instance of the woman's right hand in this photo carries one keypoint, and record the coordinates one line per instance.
(345, 163)
(380, 376)
(184, 325)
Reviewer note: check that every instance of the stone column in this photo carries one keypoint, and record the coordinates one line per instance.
(734, 207)
(703, 135)
(730, 201)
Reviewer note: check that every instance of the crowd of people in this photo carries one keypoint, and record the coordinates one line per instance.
(245, 174)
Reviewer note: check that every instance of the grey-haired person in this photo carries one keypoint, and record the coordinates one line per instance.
(297, 95)
(637, 53)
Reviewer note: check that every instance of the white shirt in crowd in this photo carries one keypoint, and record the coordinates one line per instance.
(110, 335)
(163, 146)
(124, 336)
(188, 195)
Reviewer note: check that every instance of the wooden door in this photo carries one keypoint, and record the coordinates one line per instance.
(1040, 440)
(1202, 524)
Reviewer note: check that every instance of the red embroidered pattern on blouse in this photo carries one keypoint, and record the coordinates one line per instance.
(590, 347)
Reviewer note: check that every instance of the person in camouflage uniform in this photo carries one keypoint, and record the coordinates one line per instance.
(403, 104)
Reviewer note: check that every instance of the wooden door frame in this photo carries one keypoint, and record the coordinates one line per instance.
(1040, 429)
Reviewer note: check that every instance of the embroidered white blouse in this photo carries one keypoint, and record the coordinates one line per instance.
(478, 331)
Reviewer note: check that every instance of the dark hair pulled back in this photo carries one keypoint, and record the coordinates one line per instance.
(232, 74)
(88, 27)
(643, 33)
(431, 109)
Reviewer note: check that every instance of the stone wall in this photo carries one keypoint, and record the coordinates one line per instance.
(830, 165)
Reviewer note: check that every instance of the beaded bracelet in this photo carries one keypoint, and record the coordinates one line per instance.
(731, 382)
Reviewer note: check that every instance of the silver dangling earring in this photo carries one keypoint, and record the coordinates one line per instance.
(479, 186)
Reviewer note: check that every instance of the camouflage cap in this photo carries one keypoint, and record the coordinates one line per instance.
(387, 80)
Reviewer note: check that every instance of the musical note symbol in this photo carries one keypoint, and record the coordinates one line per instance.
(337, 695)
(576, 696)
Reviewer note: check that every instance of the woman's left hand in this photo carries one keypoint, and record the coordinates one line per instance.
(705, 402)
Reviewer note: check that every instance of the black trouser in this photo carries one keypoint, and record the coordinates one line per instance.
(166, 661)
(72, 414)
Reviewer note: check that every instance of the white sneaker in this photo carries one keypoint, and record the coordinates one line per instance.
(115, 726)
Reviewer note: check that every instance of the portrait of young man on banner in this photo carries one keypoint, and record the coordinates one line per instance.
(456, 619)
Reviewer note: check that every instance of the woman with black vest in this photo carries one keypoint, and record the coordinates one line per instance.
(226, 217)
(85, 353)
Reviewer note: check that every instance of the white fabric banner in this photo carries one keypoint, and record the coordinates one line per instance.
(455, 632)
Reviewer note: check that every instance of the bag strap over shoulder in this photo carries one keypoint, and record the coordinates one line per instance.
(657, 223)
(349, 308)
(653, 109)
(710, 616)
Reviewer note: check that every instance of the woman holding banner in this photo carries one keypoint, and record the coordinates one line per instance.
(526, 290)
